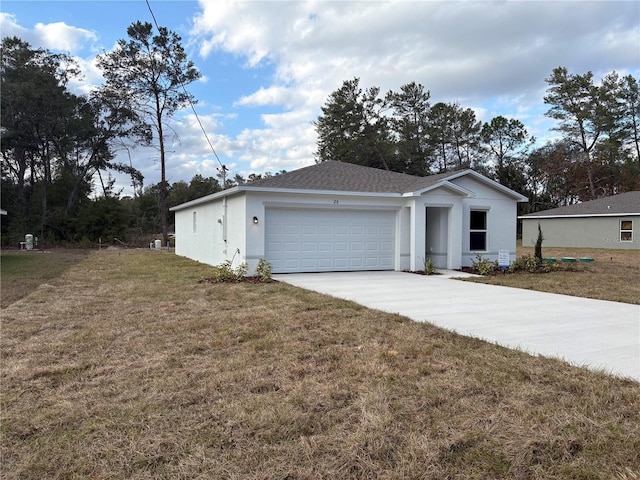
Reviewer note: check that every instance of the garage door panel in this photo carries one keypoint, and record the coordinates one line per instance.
(325, 262)
(309, 247)
(308, 263)
(341, 230)
(291, 246)
(372, 262)
(372, 247)
(309, 240)
(325, 247)
(356, 247)
(340, 247)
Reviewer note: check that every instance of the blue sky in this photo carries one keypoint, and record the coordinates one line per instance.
(268, 66)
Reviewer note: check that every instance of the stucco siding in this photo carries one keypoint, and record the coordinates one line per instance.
(581, 232)
(215, 222)
(501, 221)
(501, 229)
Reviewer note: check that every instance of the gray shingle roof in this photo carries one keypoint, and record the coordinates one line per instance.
(623, 203)
(348, 177)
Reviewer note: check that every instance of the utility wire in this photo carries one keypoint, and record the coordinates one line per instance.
(223, 169)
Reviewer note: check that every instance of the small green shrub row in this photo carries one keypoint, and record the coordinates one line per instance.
(226, 273)
(525, 263)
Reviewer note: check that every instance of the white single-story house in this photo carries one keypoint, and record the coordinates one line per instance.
(336, 216)
(608, 222)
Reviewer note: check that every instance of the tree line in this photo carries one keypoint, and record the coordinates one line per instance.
(596, 154)
(59, 149)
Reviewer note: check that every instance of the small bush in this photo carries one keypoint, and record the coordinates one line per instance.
(525, 263)
(484, 266)
(226, 273)
(429, 268)
(263, 270)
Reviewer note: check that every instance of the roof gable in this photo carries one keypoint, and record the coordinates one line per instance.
(621, 204)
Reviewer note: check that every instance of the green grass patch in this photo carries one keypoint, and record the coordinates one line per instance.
(22, 271)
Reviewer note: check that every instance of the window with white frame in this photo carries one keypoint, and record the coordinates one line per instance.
(478, 230)
(195, 222)
(626, 231)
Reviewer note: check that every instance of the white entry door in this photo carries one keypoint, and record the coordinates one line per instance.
(318, 240)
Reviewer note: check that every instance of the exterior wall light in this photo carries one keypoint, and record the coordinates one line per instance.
(255, 220)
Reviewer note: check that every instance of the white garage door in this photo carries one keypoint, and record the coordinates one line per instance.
(299, 240)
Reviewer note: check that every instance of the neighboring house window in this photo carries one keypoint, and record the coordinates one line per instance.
(195, 222)
(626, 231)
(478, 230)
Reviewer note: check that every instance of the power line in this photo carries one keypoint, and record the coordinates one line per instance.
(223, 169)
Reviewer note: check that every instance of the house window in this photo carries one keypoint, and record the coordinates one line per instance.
(626, 231)
(477, 230)
(195, 222)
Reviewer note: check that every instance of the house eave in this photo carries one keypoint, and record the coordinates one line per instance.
(446, 184)
(519, 198)
(206, 199)
(305, 191)
(247, 188)
(584, 215)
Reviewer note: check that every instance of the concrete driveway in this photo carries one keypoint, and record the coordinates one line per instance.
(593, 333)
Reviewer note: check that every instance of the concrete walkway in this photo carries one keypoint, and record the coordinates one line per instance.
(592, 333)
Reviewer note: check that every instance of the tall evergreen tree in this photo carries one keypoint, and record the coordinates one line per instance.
(409, 124)
(352, 127)
(507, 141)
(150, 71)
(588, 114)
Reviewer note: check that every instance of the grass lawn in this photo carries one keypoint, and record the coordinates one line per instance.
(124, 366)
(22, 271)
(614, 275)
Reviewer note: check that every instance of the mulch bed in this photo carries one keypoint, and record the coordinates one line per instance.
(247, 279)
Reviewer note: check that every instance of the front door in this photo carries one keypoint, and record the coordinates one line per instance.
(437, 237)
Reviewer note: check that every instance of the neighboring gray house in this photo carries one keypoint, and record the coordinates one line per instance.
(609, 222)
(336, 216)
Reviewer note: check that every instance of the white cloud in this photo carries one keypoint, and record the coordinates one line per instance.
(60, 36)
(10, 27)
(486, 55)
(56, 36)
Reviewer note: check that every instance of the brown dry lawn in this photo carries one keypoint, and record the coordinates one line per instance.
(126, 367)
(614, 275)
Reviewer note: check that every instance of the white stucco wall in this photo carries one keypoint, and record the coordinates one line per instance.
(501, 220)
(207, 244)
(580, 232)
